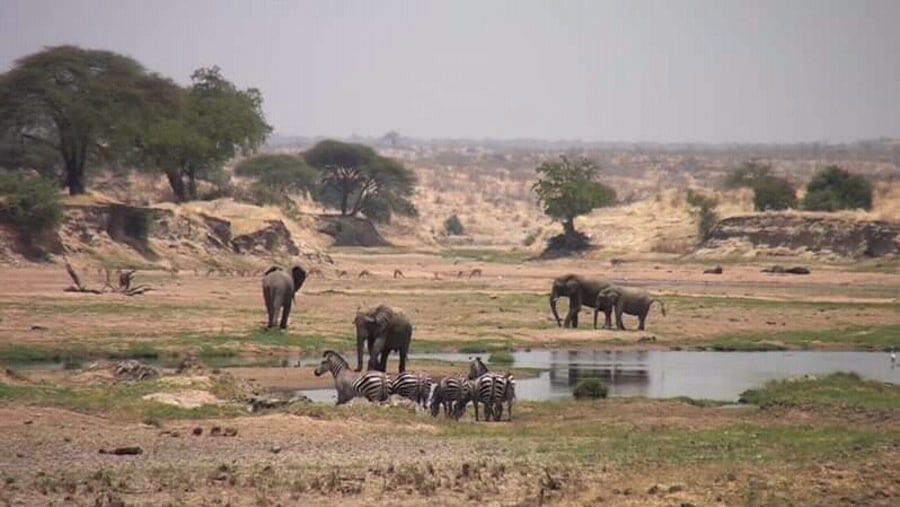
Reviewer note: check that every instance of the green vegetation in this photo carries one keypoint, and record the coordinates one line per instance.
(861, 337)
(277, 176)
(703, 209)
(771, 193)
(210, 123)
(833, 189)
(746, 175)
(589, 388)
(31, 204)
(501, 357)
(84, 104)
(453, 226)
(568, 189)
(123, 399)
(355, 179)
(835, 390)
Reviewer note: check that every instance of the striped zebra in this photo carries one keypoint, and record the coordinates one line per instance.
(476, 368)
(415, 386)
(371, 385)
(492, 389)
(451, 392)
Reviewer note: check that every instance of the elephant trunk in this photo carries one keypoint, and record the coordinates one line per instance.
(553, 300)
(359, 353)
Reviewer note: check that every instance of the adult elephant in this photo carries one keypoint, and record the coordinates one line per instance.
(580, 291)
(383, 329)
(279, 288)
(631, 301)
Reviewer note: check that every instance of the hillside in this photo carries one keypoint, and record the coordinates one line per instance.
(488, 188)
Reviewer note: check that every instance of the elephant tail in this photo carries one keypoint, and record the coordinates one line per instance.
(662, 305)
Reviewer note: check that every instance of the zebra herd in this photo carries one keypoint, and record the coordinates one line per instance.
(453, 393)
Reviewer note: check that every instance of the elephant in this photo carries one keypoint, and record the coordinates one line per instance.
(383, 329)
(279, 289)
(631, 301)
(580, 291)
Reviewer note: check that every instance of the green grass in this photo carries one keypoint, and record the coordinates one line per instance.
(859, 337)
(119, 400)
(837, 389)
(501, 357)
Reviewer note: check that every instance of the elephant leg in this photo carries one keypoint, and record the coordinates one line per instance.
(574, 309)
(403, 352)
(270, 310)
(385, 352)
(607, 324)
(285, 312)
(641, 318)
(619, 323)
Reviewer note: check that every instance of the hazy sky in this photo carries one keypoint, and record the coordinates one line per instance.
(668, 70)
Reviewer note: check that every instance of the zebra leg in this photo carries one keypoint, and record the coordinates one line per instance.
(498, 410)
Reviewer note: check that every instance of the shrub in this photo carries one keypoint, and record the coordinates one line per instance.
(589, 388)
(746, 175)
(377, 209)
(703, 209)
(771, 193)
(454, 226)
(834, 188)
(31, 204)
(501, 357)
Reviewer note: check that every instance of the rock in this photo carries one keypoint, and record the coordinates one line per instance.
(275, 449)
(807, 232)
(215, 431)
(108, 499)
(197, 431)
(797, 270)
(258, 403)
(274, 237)
(38, 328)
(230, 432)
(714, 271)
(675, 488)
(133, 370)
(124, 451)
(655, 489)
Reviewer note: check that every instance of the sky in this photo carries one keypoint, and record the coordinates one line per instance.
(631, 70)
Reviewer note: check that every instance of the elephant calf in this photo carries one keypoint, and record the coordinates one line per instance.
(625, 300)
(383, 329)
(279, 289)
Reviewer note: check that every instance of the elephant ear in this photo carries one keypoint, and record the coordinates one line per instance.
(382, 319)
(572, 287)
(299, 276)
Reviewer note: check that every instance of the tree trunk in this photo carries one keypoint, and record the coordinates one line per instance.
(75, 176)
(345, 201)
(192, 184)
(177, 184)
(569, 227)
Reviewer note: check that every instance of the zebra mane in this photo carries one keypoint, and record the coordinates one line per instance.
(335, 356)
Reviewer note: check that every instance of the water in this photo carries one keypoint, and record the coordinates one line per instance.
(718, 376)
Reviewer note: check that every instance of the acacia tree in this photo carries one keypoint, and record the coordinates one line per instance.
(355, 178)
(211, 123)
(567, 190)
(83, 104)
(834, 188)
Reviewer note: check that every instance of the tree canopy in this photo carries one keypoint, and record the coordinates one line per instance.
(773, 193)
(282, 172)
(355, 179)
(211, 123)
(834, 188)
(568, 189)
(746, 174)
(83, 104)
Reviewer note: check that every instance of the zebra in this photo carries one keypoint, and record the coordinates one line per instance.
(451, 392)
(416, 387)
(371, 385)
(492, 389)
(476, 368)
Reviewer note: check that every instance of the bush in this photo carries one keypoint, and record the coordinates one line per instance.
(31, 204)
(377, 209)
(746, 175)
(703, 209)
(833, 189)
(589, 388)
(501, 357)
(454, 226)
(771, 193)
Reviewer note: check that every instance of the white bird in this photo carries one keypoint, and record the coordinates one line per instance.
(893, 357)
